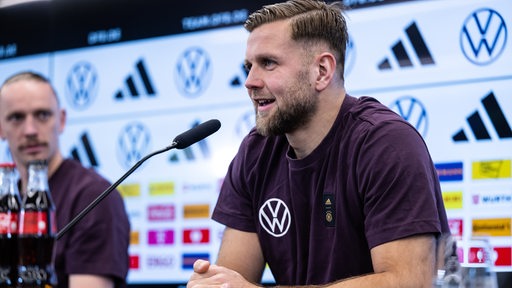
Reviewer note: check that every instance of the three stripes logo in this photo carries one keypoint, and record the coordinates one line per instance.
(401, 55)
(188, 152)
(240, 77)
(476, 123)
(84, 151)
(137, 84)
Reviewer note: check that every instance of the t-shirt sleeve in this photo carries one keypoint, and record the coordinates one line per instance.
(400, 188)
(99, 242)
(234, 205)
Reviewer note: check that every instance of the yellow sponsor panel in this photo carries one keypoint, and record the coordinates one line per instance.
(491, 169)
(161, 188)
(129, 190)
(492, 227)
(196, 211)
(134, 238)
(453, 199)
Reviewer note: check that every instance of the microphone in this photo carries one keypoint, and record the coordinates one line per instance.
(181, 141)
(195, 134)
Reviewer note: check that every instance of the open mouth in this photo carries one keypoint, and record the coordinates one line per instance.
(263, 103)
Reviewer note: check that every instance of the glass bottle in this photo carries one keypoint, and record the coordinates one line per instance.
(10, 206)
(38, 231)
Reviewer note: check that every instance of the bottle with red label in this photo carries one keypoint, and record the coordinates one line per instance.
(37, 231)
(10, 206)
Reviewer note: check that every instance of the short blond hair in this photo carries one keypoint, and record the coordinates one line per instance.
(311, 21)
(31, 76)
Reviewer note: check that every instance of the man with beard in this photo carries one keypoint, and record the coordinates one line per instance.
(328, 189)
(94, 253)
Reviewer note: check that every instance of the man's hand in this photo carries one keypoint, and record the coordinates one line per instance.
(87, 281)
(208, 275)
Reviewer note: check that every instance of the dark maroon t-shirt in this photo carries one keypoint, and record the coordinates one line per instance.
(98, 244)
(370, 181)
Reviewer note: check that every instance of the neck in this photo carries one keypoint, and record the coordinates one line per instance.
(307, 138)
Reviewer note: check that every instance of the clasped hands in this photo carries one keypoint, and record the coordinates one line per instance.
(211, 275)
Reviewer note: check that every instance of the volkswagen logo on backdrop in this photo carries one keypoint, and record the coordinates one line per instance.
(193, 72)
(133, 144)
(81, 85)
(484, 36)
(245, 123)
(413, 112)
(350, 55)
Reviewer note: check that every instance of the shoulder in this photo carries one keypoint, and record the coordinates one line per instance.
(257, 153)
(255, 145)
(77, 179)
(368, 115)
(368, 125)
(371, 110)
(74, 169)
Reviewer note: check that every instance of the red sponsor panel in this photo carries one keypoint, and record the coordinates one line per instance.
(196, 236)
(456, 227)
(476, 255)
(503, 256)
(134, 261)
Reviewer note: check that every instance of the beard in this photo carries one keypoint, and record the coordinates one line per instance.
(298, 106)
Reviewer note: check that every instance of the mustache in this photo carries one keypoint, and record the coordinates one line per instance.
(31, 143)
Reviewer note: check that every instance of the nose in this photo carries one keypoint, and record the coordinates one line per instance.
(29, 126)
(253, 80)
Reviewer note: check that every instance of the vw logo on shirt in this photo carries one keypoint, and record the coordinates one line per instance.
(275, 217)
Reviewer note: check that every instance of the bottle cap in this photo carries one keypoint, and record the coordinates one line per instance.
(7, 165)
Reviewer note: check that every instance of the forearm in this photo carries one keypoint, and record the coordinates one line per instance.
(381, 280)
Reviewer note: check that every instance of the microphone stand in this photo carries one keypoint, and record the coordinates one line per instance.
(105, 193)
(181, 141)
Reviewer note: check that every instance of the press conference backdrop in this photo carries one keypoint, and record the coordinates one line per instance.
(134, 75)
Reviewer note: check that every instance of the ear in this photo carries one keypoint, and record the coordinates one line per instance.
(2, 137)
(326, 64)
(62, 117)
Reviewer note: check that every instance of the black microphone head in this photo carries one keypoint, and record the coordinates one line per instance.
(196, 134)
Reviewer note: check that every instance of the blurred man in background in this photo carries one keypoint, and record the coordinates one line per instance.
(94, 253)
